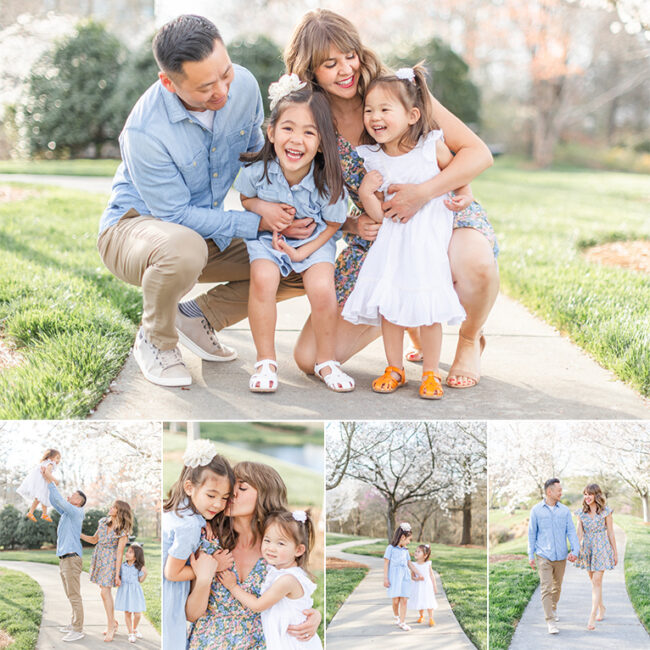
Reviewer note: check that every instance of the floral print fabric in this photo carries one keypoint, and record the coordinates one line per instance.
(596, 553)
(102, 565)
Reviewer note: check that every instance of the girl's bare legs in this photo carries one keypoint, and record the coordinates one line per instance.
(319, 286)
(262, 310)
(396, 607)
(33, 507)
(402, 609)
(431, 621)
(393, 344)
(415, 353)
(128, 619)
(421, 616)
(596, 596)
(111, 623)
(476, 281)
(43, 510)
(431, 336)
(136, 620)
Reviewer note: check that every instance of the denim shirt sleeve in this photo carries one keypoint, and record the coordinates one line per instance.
(532, 534)
(162, 187)
(571, 533)
(257, 137)
(59, 503)
(337, 212)
(246, 181)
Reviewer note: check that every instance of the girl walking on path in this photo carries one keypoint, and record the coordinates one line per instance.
(598, 551)
(423, 594)
(398, 570)
(34, 488)
(110, 539)
(130, 597)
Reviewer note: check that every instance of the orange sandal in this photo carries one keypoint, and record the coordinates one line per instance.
(47, 518)
(431, 386)
(387, 383)
(30, 516)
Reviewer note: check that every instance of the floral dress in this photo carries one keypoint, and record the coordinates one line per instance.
(102, 565)
(227, 624)
(350, 259)
(596, 553)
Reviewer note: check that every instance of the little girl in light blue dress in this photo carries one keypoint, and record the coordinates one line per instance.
(130, 597)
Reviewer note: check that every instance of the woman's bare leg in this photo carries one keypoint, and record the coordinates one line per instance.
(111, 623)
(476, 281)
(596, 597)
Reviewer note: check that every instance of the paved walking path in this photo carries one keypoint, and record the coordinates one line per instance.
(529, 372)
(57, 611)
(365, 620)
(620, 629)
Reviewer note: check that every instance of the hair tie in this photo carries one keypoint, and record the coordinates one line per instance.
(199, 453)
(299, 515)
(405, 527)
(285, 85)
(406, 74)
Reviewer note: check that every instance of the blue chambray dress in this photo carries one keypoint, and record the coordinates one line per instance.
(181, 537)
(399, 574)
(596, 553)
(307, 201)
(129, 596)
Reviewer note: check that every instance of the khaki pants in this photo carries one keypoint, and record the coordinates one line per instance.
(70, 570)
(551, 574)
(167, 260)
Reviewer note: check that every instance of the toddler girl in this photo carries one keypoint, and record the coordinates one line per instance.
(287, 589)
(423, 593)
(405, 281)
(34, 488)
(130, 597)
(398, 570)
(201, 493)
(297, 172)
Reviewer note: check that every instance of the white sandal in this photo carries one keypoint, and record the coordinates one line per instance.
(267, 377)
(337, 380)
(404, 626)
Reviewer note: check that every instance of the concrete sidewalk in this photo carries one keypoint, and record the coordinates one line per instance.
(365, 620)
(620, 629)
(57, 611)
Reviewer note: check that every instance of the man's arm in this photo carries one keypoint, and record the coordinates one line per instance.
(59, 503)
(573, 537)
(532, 537)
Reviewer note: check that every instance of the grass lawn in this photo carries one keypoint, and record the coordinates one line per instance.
(319, 600)
(71, 320)
(62, 167)
(151, 586)
(464, 577)
(264, 433)
(335, 538)
(512, 584)
(637, 564)
(21, 607)
(543, 219)
(340, 584)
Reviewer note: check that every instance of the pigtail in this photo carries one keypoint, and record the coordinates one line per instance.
(299, 525)
(424, 97)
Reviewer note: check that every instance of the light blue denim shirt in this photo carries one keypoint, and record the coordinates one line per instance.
(68, 532)
(176, 169)
(548, 531)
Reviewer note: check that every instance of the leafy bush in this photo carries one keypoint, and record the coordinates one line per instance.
(33, 535)
(10, 518)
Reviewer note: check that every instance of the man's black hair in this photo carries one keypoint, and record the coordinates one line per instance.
(550, 482)
(83, 497)
(186, 38)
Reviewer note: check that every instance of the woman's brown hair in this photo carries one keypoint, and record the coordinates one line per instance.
(50, 454)
(310, 43)
(411, 94)
(328, 176)
(301, 532)
(123, 520)
(599, 499)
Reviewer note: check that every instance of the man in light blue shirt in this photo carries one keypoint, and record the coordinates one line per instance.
(550, 526)
(69, 552)
(165, 227)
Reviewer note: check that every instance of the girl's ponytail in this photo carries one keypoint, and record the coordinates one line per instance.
(424, 97)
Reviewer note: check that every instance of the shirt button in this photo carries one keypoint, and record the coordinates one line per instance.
(215, 204)
(194, 164)
(214, 148)
(242, 132)
(215, 174)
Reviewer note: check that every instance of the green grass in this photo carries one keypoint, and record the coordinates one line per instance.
(264, 433)
(637, 564)
(463, 572)
(304, 486)
(512, 584)
(60, 167)
(21, 607)
(543, 219)
(71, 320)
(319, 600)
(335, 538)
(151, 586)
(340, 584)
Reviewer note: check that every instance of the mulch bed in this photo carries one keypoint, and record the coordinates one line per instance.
(337, 563)
(5, 639)
(633, 255)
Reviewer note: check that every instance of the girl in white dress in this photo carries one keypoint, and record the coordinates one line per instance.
(423, 595)
(34, 488)
(286, 591)
(405, 280)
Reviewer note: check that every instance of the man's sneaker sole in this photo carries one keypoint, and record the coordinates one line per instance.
(200, 352)
(172, 382)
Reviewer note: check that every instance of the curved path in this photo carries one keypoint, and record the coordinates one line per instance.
(365, 620)
(56, 612)
(620, 629)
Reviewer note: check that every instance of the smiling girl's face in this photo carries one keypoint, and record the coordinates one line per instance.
(419, 554)
(130, 555)
(404, 540)
(57, 459)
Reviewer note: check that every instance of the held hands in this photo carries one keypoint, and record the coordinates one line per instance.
(228, 579)
(370, 184)
(275, 216)
(405, 202)
(118, 580)
(532, 564)
(224, 559)
(367, 227)
(571, 557)
(458, 202)
(279, 243)
(300, 228)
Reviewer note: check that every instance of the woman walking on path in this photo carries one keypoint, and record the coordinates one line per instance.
(110, 539)
(326, 49)
(597, 546)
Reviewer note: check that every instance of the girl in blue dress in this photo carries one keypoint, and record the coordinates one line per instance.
(199, 496)
(296, 174)
(130, 597)
(398, 570)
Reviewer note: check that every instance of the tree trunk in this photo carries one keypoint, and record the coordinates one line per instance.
(644, 503)
(390, 522)
(467, 520)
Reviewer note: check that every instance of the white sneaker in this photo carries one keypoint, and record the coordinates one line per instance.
(197, 335)
(73, 636)
(137, 633)
(132, 637)
(552, 628)
(65, 628)
(162, 367)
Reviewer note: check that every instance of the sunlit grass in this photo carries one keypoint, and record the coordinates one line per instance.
(21, 608)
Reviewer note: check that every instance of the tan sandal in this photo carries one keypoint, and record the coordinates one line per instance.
(456, 371)
(431, 386)
(387, 383)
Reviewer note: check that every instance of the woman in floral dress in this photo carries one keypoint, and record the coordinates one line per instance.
(326, 49)
(219, 620)
(110, 539)
(597, 546)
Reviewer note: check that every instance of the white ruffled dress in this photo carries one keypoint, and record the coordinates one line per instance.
(35, 486)
(406, 276)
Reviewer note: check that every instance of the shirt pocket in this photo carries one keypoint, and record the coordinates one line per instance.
(196, 172)
(239, 139)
